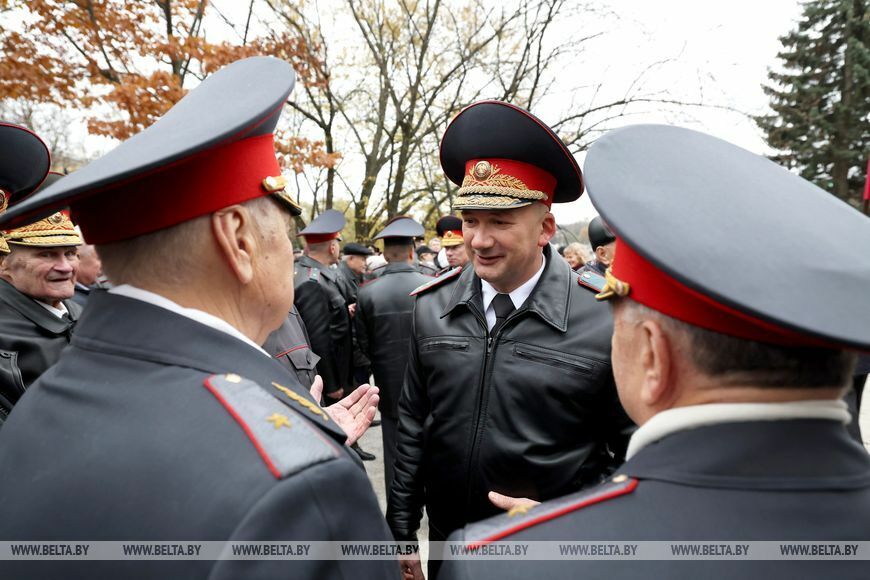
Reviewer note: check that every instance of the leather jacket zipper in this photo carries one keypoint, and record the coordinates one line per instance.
(490, 342)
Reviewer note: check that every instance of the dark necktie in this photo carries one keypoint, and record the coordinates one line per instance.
(503, 306)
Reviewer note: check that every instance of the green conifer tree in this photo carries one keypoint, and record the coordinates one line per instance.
(820, 97)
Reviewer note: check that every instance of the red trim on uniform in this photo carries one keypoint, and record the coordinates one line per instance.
(288, 351)
(630, 487)
(533, 177)
(320, 238)
(654, 288)
(198, 185)
(245, 428)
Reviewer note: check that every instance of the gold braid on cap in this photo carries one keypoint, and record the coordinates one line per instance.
(489, 187)
(4, 203)
(613, 287)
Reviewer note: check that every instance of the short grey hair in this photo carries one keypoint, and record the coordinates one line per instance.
(171, 254)
(738, 361)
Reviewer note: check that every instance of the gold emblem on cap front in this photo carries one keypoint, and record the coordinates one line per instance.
(56, 218)
(4, 201)
(482, 170)
(276, 183)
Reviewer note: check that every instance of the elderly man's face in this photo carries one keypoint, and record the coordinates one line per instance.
(46, 274)
(505, 245)
(435, 244)
(90, 266)
(456, 255)
(357, 264)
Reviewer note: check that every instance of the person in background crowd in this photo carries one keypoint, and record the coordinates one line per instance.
(88, 275)
(383, 324)
(508, 390)
(449, 228)
(353, 264)
(728, 367)
(603, 244)
(575, 255)
(321, 301)
(426, 258)
(38, 263)
(352, 269)
(164, 420)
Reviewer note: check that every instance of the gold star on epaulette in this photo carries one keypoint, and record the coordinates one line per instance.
(278, 420)
(519, 510)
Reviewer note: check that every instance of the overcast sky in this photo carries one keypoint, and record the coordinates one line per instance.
(723, 49)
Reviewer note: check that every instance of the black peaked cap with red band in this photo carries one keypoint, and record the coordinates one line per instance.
(212, 149)
(727, 240)
(24, 163)
(481, 143)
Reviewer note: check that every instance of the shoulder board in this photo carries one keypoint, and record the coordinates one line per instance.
(592, 280)
(285, 441)
(452, 274)
(518, 519)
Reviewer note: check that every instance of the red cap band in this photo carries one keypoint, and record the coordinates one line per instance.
(194, 186)
(654, 288)
(504, 172)
(320, 238)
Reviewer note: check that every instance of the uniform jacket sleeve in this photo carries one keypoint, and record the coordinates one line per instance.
(405, 504)
(332, 501)
(313, 305)
(362, 331)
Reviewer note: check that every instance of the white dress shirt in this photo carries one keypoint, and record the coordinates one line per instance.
(59, 311)
(192, 313)
(518, 296)
(691, 417)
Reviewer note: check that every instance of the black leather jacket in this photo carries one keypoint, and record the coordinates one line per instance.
(383, 328)
(531, 412)
(323, 308)
(31, 339)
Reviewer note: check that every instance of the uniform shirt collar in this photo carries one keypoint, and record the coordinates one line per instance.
(691, 417)
(205, 318)
(518, 296)
(59, 312)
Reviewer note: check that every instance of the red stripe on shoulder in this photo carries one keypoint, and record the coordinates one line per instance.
(289, 350)
(244, 427)
(629, 486)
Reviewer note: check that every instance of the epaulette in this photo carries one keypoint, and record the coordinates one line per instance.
(521, 518)
(287, 442)
(592, 280)
(452, 274)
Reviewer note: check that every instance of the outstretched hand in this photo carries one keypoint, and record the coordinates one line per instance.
(354, 413)
(511, 504)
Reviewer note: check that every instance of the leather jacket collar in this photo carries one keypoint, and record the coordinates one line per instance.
(549, 299)
(28, 308)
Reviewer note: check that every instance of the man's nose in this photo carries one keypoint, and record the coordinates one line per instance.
(66, 264)
(481, 239)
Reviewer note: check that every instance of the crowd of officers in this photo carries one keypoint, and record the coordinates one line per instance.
(213, 389)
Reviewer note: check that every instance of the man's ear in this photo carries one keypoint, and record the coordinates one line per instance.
(656, 359)
(234, 231)
(548, 229)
